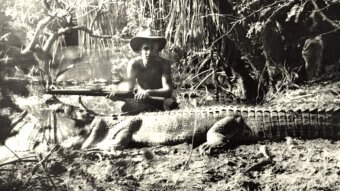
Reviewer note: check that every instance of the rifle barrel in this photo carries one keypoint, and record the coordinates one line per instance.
(120, 95)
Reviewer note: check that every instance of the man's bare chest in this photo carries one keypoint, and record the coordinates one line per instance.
(150, 78)
(150, 73)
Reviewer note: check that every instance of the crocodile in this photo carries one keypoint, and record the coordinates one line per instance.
(211, 127)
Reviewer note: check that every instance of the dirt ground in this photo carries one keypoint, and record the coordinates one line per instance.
(309, 165)
(288, 165)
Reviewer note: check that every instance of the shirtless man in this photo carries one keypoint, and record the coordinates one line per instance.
(149, 75)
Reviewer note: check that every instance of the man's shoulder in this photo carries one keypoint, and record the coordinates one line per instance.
(164, 61)
(136, 60)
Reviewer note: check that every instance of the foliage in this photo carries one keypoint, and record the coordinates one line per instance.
(50, 26)
(268, 34)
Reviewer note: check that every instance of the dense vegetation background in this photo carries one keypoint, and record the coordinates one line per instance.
(247, 49)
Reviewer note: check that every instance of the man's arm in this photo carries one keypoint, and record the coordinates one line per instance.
(128, 84)
(131, 76)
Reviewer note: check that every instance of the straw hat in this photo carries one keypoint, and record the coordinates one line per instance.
(146, 36)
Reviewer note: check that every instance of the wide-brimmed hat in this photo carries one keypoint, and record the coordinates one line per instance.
(146, 36)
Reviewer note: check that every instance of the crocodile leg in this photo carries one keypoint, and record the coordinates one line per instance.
(119, 135)
(221, 133)
(98, 130)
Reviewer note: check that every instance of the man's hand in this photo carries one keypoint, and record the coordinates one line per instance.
(142, 94)
(112, 96)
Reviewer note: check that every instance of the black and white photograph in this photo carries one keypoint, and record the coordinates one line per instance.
(159, 95)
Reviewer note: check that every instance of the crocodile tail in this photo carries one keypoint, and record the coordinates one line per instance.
(305, 124)
(277, 123)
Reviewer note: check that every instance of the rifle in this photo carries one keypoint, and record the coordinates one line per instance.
(119, 95)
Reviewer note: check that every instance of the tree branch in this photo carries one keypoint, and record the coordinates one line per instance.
(40, 27)
(85, 29)
(98, 12)
(46, 5)
(59, 13)
(324, 17)
(62, 31)
(278, 11)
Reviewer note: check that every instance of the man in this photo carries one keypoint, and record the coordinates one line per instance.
(148, 75)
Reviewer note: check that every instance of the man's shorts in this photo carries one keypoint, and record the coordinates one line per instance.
(133, 106)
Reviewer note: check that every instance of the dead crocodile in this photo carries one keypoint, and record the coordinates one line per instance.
(214, 125)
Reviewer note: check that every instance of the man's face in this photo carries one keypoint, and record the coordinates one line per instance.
(149, 51)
